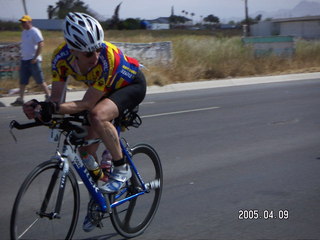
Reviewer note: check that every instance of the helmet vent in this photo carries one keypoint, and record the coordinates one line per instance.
(78, 15)
(91, 26)
(73, 45)
(98, 34)
(67, 28)
(90, 37)
(77, 30)
(70, 16)
(83, 43)
(82, 23)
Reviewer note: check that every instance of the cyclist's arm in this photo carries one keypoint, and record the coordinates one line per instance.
(90, 99)
(58, 92)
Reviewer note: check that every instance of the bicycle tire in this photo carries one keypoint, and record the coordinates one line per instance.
(26, 222)
(124, 216)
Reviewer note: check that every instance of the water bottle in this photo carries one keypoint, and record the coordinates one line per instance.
(106, 163)
(94, 169)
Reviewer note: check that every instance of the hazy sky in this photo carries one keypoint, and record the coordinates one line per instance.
(150, 9)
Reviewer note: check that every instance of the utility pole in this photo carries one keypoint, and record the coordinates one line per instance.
(247, 25)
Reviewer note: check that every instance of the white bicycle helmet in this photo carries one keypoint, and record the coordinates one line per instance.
(82, 32)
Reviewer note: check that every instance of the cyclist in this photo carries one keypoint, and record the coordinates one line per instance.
(115, 84)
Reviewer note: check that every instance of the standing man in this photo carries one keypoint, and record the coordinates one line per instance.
(31, 47)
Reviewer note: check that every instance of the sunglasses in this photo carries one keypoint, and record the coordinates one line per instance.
(90, 54)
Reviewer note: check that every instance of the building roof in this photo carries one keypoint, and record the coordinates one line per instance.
(160, 20)
(297, 19)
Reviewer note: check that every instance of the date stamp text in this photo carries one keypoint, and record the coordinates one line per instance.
(255, 214)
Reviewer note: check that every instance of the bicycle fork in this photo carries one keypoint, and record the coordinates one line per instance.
(54, 178)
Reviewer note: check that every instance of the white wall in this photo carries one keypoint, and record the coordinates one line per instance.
(160, 26)
(48, 24)
(305, 29)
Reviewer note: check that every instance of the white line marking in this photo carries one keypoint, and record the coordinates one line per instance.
(145, 103)
(179, 112)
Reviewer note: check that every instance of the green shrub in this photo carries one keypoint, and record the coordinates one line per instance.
(197, 55)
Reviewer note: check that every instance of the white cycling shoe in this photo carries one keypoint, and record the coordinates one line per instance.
(117, 179)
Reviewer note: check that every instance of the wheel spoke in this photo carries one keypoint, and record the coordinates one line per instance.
(129, 212)
(28, 228)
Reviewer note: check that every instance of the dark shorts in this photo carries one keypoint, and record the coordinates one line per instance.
(28, 69)
(130, 96)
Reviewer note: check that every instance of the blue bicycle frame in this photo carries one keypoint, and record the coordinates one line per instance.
(92, 187)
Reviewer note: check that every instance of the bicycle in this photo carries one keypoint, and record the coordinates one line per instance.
(48, 201)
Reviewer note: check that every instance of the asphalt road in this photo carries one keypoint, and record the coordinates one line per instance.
(227, 153)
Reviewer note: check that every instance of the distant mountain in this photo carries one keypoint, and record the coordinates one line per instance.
(306, 8)
(302, 9)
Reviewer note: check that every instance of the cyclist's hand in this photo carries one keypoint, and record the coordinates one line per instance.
(47, 109)
(40, 110)
(30, 108)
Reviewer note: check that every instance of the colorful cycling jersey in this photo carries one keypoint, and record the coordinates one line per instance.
(113, 71)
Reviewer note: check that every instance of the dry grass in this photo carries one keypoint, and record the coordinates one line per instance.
(197, 55)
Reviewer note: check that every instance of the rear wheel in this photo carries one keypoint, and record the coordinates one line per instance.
(131, 218)
(33, 215)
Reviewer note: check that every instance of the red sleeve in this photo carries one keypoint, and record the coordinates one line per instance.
(133, 61)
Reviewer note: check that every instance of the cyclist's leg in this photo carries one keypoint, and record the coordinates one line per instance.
(100, 117)
(111, 107)
(124, 98)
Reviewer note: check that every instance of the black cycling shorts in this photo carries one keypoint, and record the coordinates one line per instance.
(130, 96)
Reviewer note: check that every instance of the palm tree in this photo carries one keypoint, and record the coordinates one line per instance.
(192, 15)
(50, 10)
(65, 6)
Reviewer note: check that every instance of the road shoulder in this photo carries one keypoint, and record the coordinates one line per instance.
(76, 95)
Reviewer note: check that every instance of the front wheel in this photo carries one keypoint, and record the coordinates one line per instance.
(131, 218)
(34, 211)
